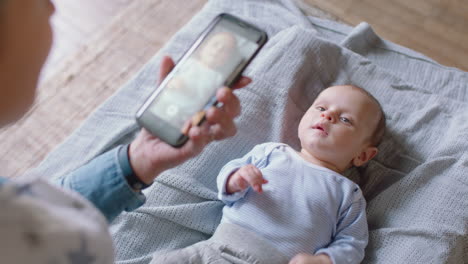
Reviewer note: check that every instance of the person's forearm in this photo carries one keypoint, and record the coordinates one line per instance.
(102, 182)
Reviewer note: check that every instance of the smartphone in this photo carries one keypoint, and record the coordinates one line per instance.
(217, 58)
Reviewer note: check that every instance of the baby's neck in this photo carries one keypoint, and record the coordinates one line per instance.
(309, 158)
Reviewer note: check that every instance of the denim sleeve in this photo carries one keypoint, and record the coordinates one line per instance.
(102, 181)
(3, 180)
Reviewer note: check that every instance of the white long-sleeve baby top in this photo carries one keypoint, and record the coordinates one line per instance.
(303, 207)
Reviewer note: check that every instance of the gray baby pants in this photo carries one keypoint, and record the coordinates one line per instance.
(229, 244)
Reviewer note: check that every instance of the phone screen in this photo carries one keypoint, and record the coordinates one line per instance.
(192, 84)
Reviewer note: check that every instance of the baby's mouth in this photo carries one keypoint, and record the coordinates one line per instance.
(321, 128)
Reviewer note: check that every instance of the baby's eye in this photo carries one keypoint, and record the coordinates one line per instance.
(321, 109)
(345, 120)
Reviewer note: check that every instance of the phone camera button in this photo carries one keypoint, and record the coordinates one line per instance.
(172, 110)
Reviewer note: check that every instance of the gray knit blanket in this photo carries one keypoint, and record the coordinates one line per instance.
(416, 188)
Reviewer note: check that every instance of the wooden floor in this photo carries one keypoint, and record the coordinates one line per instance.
(75, 23)
(436, 28)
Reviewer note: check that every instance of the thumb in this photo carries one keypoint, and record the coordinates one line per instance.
(167, 64)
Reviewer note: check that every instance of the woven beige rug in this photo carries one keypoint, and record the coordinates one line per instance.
(82, 82)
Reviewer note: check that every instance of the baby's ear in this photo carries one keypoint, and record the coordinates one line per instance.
(364, 156)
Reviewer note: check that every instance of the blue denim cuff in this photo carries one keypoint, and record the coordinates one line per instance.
(132, 179)
(124, 162)
(102, 181)
(3, 180)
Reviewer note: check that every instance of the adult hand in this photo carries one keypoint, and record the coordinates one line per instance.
(303, 258)
(149, 156)
(246, 176)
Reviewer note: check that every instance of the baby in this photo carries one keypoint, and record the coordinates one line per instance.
(284, 205)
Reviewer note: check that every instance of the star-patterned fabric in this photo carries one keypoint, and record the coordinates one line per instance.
(41, 223)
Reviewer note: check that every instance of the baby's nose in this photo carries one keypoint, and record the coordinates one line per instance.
(327, 116)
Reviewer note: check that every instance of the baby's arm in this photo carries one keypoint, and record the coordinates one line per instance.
(351, 235)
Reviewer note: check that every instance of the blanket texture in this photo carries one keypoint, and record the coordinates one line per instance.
(417, 187)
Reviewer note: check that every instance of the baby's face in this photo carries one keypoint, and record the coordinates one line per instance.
(216, 51)
(338, 125)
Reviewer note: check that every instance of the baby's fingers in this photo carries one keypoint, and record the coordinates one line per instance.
(243, 184)
(254, 177)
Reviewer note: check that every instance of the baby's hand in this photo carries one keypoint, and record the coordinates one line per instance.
(303, 258)
(243, 177)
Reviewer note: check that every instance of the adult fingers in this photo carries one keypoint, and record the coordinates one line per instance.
(199, 137)
(230, 103)
(242, 82)
(197, 141)
(167, 64)
(227, 131)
